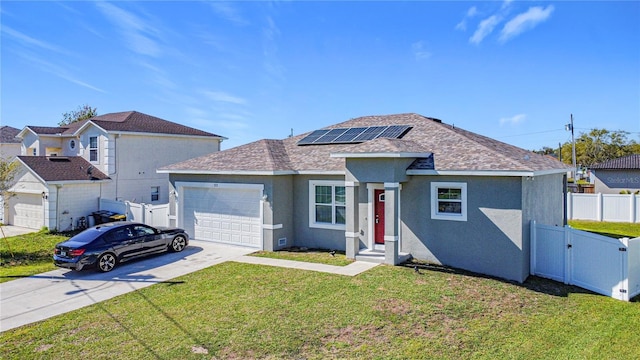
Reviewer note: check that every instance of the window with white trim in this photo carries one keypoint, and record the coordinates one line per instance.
(327, 204)
(155, 193)
(93, 148)
(449, 201)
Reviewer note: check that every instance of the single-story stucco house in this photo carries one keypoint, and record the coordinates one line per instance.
(390, 187)
(616, 175)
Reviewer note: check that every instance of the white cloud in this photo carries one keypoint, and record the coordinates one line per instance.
(32, 42)
(137, 32)
(506, 4)
(514, 120)
(220, 96)
(59, 72)
(525, 21)
(485, 28)
(419, 51)
(462, 25)
(228, 12)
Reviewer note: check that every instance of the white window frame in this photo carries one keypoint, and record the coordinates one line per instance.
(312, 205)
(434, 201)
(94, 148)
(72, 144)
(155, 191)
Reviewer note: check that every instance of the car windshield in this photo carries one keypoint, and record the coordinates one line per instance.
(86, 236)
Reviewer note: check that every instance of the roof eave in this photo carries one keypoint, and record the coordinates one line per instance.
(226, 172)
(514, 173)
(208, 137)
(399, 154)
(250, 172)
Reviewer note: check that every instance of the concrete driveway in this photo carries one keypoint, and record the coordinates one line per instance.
(34, 298)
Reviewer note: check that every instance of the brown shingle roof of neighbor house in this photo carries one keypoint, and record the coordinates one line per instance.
(128, 121)
(8, 135)
(453, 149)
(62, 168)
(623, 163)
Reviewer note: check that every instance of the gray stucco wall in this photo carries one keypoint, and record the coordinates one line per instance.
(377, 170)
(614, 181)
(543, 201)
(489, 242)
(305, 235)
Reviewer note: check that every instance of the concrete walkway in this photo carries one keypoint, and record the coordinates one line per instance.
(34, 298)
(352, 269)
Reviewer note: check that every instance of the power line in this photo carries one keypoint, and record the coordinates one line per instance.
(533, 133)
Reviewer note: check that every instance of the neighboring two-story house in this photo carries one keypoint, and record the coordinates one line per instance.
(9, 144)
(66, 170)
(9, 148)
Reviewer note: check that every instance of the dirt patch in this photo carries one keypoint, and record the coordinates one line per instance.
(43, 347)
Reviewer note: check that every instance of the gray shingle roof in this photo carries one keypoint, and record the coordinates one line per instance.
(8, 135)
(453, 149)
(72, 168)
(623, 163)
(129, 121)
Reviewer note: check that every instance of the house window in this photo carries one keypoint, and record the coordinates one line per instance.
(34, 152)
(93, 148)
(327, 207)
(449, 201)
(155, 193)
(72, 144)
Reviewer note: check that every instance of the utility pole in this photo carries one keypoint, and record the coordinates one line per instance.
(573, 148)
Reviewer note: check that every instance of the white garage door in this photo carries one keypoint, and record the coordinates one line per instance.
(223, 214)
(26, 210)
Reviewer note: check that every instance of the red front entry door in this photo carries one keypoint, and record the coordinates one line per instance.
(378, 228)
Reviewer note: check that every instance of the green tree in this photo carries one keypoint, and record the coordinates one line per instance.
(599, 145)
(8, 170)
(83, 112)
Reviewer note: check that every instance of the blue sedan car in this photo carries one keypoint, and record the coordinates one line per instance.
(106, 245)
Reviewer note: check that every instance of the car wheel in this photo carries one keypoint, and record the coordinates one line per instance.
(106, 262)
(178, 243)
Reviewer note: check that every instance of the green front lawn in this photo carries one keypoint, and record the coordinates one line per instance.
(27, 255)
(238, 311)
(311, 255)
(611, 229)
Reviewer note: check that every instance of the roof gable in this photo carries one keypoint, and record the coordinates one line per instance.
(54, 168)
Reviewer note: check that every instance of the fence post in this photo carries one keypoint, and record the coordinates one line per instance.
(624, 273)
(599, 207)
(532, 248)
(567, 254)
(569, 206)
(632, 208)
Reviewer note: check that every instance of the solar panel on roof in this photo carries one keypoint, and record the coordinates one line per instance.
(394, 131)
(349, 135)
(370, 134)
(354, 135)
(330, 136)
(309, 139)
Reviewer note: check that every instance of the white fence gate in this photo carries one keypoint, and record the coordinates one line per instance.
(604, 207)
(598, 263)
(154, 215)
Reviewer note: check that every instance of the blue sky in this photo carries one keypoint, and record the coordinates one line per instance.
(510, 70)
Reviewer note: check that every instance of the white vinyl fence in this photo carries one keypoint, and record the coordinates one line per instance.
(154, 215)
(603, 207)
(598, 263)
